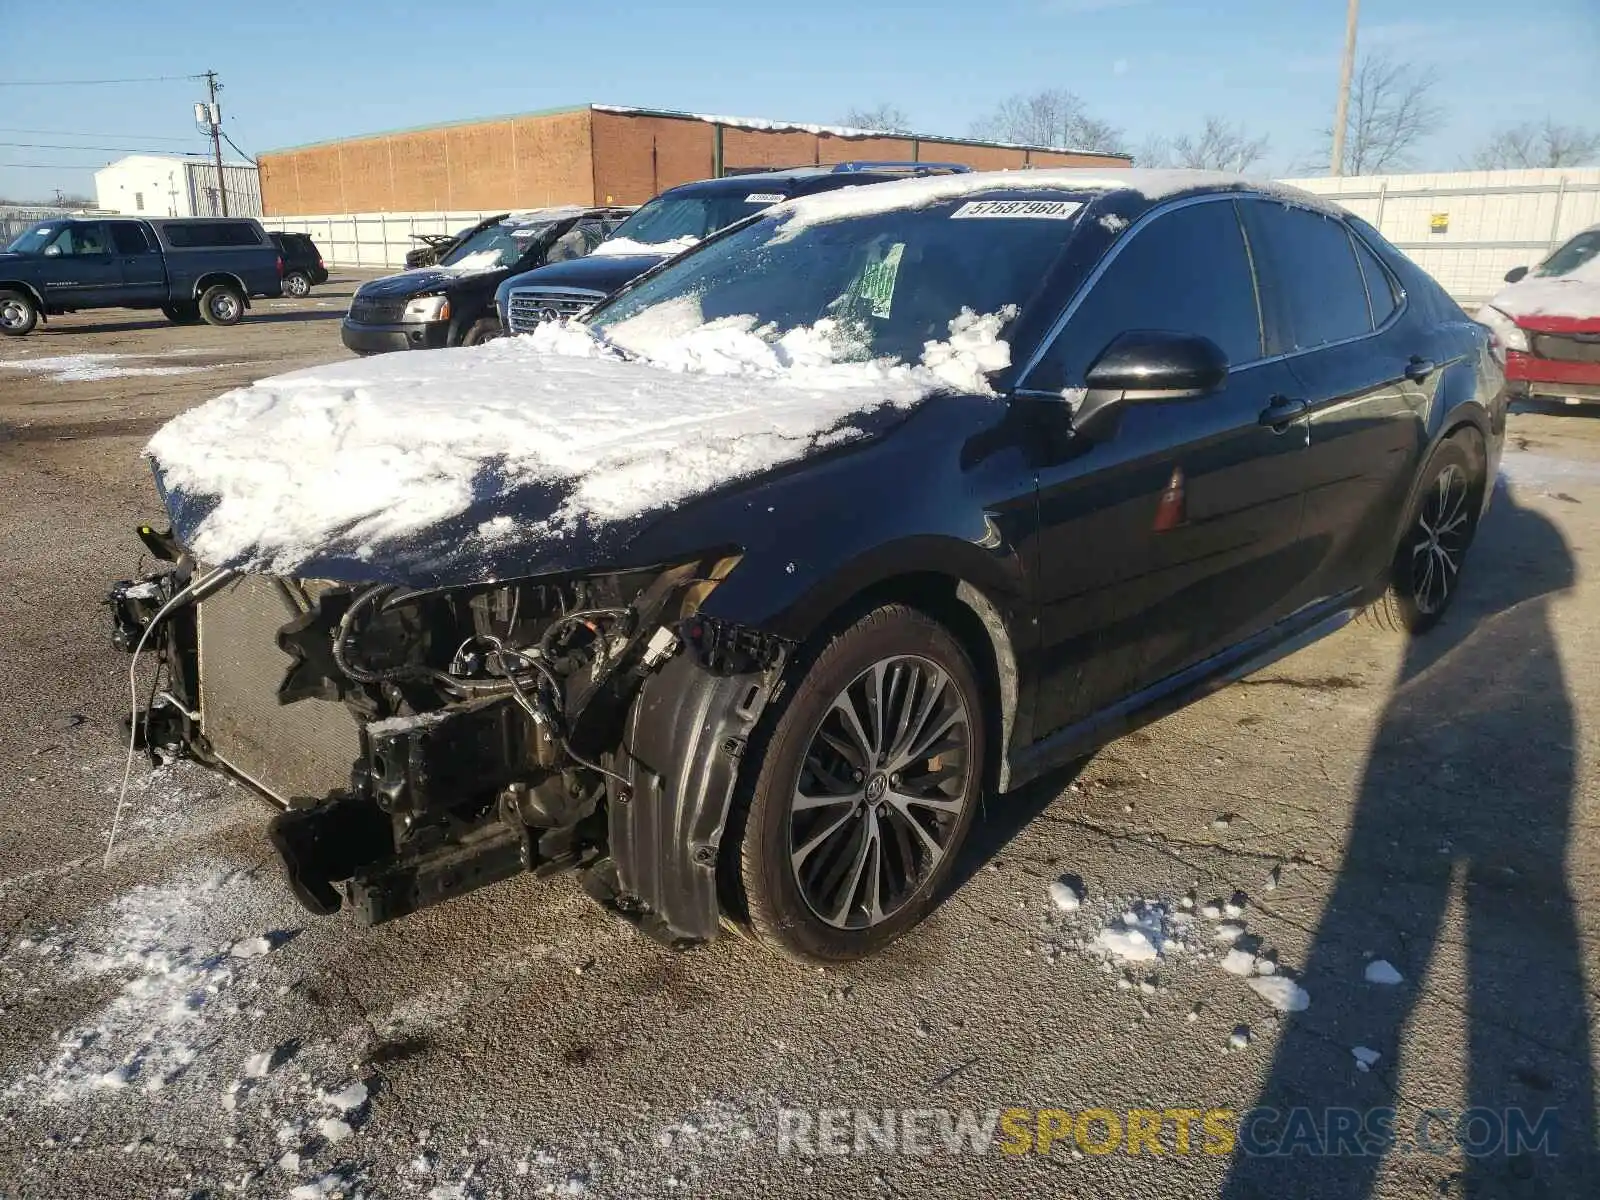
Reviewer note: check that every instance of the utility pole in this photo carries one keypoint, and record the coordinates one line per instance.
(1341, 113)
(214, 114)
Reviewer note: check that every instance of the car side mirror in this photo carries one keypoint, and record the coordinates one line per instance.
(52, 251)
(1516, 273)
(1150, 364)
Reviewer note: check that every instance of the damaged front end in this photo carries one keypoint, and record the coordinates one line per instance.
(424, 742)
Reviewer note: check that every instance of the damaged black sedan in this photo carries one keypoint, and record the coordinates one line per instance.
(740, 595)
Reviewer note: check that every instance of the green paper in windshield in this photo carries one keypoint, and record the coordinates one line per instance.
(877, 281)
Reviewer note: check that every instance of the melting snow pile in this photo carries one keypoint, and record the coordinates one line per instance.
(368, 451)
(617, 246)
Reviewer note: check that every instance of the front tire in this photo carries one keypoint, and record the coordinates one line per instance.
(297, 284)
(1425, 574)
(221, 304)
(185, 313)
(485, 329)
(864, 791)
(18, 313)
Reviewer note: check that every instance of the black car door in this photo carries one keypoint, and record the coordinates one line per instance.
(81, 269)
(144, 275)
(1365, 376)
(1173, 531)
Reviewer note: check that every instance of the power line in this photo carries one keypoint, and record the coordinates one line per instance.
(111, 149)
(45, 166)
(95, 82)
(149, 137)
(235, 146)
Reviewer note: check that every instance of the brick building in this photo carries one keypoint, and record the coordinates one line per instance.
(594, 154)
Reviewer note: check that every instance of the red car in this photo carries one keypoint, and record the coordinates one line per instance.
(1547, 323)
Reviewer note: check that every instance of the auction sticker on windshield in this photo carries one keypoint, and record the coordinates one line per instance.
(877, 282)
(1048, 210)
(764, 198)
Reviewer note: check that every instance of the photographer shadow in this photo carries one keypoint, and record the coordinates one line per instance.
(1460, 833)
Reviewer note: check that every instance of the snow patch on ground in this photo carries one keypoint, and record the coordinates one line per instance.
(147, 1036)
(1381, 970)
(87, 368)
(333, 453)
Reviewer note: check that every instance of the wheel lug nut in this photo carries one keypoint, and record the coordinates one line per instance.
(858, 776)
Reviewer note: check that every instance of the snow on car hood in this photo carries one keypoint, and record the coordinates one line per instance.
(354, 460)
(1575, 295)
(626, 245)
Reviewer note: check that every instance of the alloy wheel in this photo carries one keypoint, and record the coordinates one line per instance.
(13, 314)
(1444, 527)
(297, 286)
(880, 791)
(224, 306)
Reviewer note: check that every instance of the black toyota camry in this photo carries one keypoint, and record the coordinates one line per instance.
(747, 645)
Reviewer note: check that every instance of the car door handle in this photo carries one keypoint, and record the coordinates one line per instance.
(1281, 412)
(1419, 368)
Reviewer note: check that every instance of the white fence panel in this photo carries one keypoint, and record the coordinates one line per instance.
(373, 239)
(1491, 221)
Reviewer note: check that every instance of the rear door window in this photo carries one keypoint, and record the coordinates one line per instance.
(1185, 272)
(129, 238)
(1309, 272)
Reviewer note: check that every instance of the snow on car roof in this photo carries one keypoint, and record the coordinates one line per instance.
(922, 192)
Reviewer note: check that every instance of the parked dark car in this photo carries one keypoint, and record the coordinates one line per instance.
(302, 263)
(677, 218)
(191, 268)
(452, 303)
(1214, 420)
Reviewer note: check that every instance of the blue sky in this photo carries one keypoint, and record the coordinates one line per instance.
(297, 71)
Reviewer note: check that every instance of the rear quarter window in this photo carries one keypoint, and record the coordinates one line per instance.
(195, 235)
(1307, 265)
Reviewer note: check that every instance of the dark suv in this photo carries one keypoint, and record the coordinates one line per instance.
(675, 220)
(452, 302)
(302, 263)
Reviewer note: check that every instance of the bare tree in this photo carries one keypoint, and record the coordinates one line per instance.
(1049, 118)
(1220, 146)
(888, 118)
(1545, 144)
(1391, 110)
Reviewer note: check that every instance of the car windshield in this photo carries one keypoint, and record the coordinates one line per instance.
(499, 245)
(886, 283)
(1573, 255)
(34, 239)
(670, 218)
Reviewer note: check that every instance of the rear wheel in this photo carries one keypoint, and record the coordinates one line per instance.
(221, 304)
(18, 313)
(864, 790)
(1426, 571)
(297, 284)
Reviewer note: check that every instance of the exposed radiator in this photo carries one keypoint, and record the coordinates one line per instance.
(295, 752)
